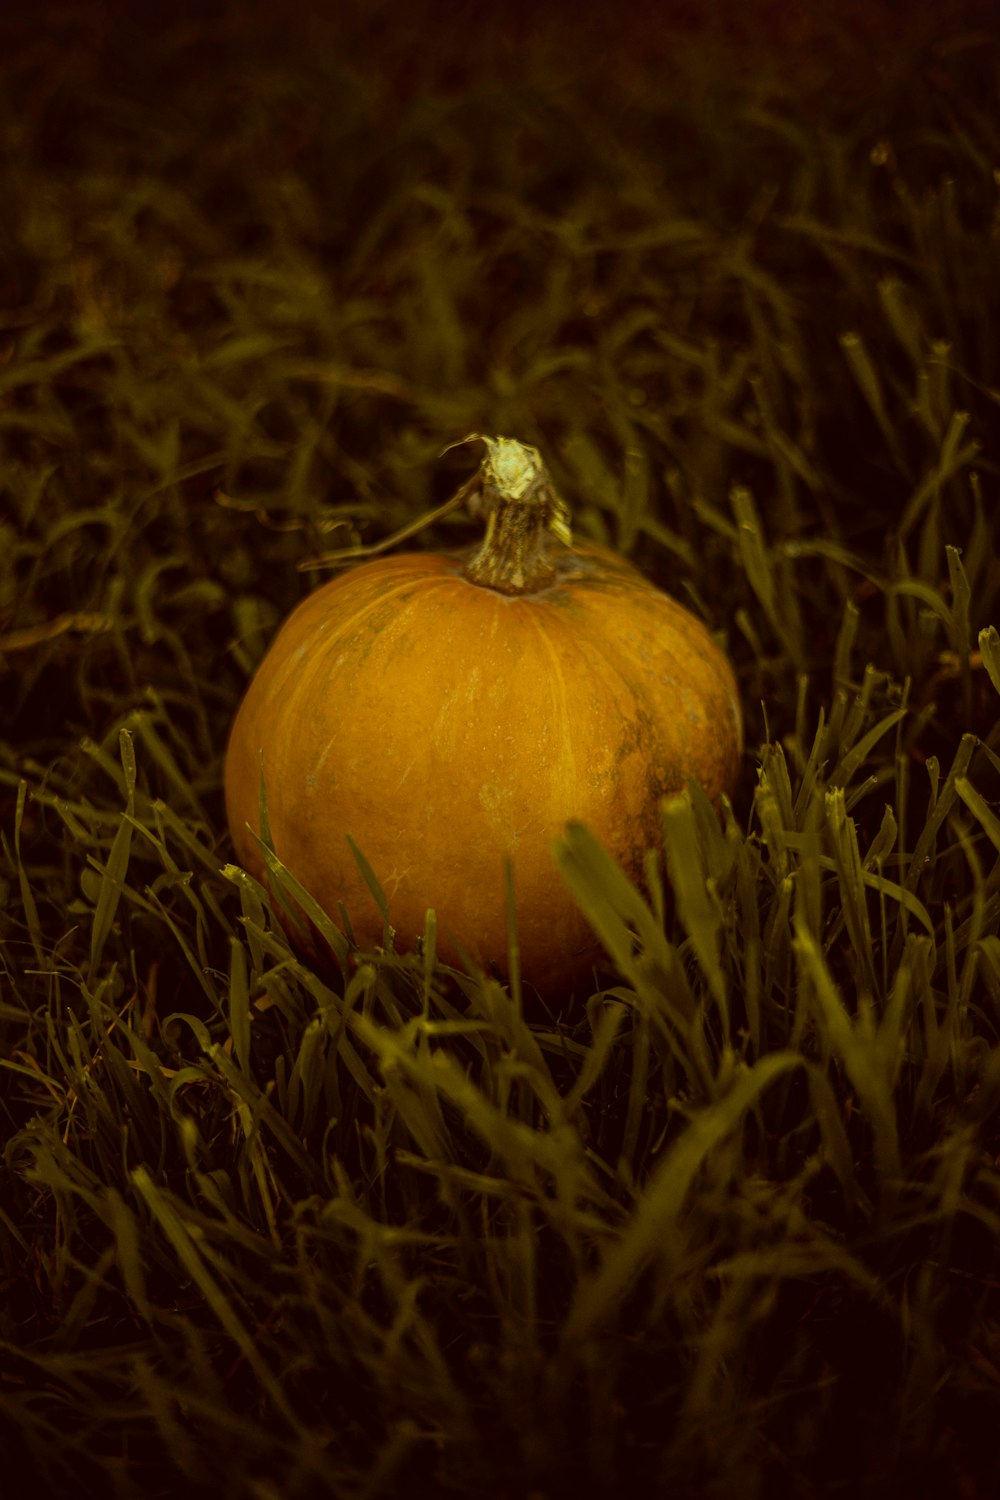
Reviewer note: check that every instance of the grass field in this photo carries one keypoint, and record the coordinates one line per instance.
(730, 1228)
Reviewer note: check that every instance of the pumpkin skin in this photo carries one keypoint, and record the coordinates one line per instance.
(447, 726)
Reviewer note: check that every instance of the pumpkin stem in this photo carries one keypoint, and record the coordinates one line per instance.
(523, 512)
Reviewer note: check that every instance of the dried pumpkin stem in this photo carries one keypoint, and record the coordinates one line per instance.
(523, 514)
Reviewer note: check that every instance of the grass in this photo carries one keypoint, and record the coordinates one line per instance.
(729, 1228)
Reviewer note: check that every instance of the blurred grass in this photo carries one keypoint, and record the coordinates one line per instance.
(731, 1227)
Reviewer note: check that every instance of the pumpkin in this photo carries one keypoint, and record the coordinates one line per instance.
(452, 712)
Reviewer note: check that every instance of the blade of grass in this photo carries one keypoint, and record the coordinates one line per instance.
(114, 870)
(653, 1228)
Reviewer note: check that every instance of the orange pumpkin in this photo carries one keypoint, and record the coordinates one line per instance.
(452, 711)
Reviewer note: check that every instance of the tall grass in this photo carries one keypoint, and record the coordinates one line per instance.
(728, 1227)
